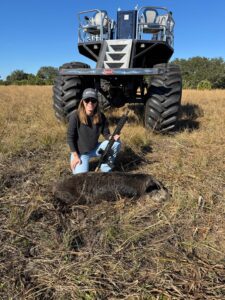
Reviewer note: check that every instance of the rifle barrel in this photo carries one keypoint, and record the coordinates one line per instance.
(117, 130)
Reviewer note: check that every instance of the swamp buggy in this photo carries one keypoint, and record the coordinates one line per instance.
(132, 66)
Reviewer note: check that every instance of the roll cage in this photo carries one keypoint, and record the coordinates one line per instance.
(152, 23)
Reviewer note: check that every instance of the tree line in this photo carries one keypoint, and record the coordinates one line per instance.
(202, 73)
(197, 73)
(44, 76)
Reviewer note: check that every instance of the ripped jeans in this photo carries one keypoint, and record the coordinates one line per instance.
(84, 166)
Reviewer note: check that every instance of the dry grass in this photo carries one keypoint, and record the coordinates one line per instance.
(112, 251)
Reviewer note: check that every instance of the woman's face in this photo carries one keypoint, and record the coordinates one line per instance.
(90, 105)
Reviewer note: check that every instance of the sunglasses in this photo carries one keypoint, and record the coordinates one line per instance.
(92, 100)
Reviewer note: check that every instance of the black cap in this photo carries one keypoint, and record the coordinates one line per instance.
(89, 93)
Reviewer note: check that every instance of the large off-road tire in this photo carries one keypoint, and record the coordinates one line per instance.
(163, 99)
(67, 91)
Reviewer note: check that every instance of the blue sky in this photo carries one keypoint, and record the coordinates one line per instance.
(36, 33)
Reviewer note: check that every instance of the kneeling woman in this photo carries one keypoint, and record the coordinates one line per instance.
(85, 127)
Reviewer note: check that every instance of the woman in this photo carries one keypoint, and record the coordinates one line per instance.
(85, 127)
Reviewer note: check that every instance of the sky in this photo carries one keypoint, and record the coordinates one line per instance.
(37, 33)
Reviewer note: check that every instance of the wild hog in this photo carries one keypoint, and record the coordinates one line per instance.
(91, 187)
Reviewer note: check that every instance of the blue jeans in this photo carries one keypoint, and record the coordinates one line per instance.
(84, 166)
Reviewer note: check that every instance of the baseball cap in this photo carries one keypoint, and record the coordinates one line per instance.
(89, 93)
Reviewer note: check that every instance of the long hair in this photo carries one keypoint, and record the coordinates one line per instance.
(83, 116)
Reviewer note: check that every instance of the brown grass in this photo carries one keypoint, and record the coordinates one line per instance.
(112, 251)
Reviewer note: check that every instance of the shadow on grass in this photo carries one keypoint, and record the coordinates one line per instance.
(128, 160)
(187, 120)
(189, 113)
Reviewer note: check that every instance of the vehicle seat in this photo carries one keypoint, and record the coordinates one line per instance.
(98, 16)
(95, 23)
(149, 17)
(162, 20)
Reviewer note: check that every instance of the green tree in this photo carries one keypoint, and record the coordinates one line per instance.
(196, 69)
(204, 85)
(217, 73)
(40, 81)
(16, 76)
(219, 82)
(31, 79)
(48, 74)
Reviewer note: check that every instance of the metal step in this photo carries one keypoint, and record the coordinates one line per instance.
(113, 64)
(117, 48)
(112, 56)
(117, 54)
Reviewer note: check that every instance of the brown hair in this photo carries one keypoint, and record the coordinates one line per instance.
(83, 116)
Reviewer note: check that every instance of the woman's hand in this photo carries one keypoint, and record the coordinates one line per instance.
(75, 161)
(116, 137)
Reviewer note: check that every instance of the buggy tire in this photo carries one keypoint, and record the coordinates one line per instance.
(163, 99)
(67, 92)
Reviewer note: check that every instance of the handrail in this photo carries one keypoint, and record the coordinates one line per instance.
(80, 24)
(157, 8)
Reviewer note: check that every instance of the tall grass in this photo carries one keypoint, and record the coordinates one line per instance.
(121, 250)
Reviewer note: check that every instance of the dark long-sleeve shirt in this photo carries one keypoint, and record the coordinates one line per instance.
(83, 138)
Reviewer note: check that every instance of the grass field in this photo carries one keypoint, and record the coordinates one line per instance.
(122, 250)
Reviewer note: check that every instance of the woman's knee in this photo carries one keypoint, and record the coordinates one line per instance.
(103, 144)
(117, 145)
(83, 167)
(114, 149)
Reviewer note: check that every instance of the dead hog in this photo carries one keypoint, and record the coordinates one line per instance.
(94, 187)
